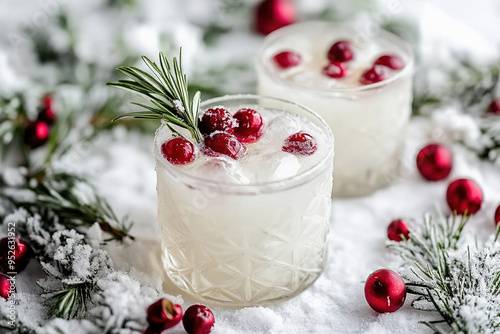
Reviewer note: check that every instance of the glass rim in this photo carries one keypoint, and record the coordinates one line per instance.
(275, 35)
(262, 187)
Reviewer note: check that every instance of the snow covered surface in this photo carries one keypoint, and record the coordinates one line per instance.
(335, 303)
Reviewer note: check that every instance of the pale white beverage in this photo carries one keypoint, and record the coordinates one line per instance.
(368, 119)
(248, 231)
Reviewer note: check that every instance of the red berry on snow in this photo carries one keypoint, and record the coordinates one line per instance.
(178, 151)
(163, 314)
(222, 143)
(372, 75)
(434, 162)
(385, 291)
(398, 230)
(464, 196)
(216, 119)
(287, 59)
(494, 107)
(300, 143)
(198, 319)
(249, 125)
(36, 134)
(271, 15)
(335, 70)
(391, 61)
(22, 255)
(497, 216)
(6, 287)
(340, 51)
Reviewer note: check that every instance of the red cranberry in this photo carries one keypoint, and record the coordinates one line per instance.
(335, 70)
(300, 143)
(198, 319)
(393, 62)
(222, 143)
(372, 75)
(287, 59)
(22, 255)
(497, 216)
(398, 230)
(250, 125)
(216, 119)
(47, 114)
(178, 151)
(163, 314)
(36, 134)
(271, 15)
(434, 162)
(494, 107)
(464, 196)
(340, 51)
(6, 287)
(385, 291)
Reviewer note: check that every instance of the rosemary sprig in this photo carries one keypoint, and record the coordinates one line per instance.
(71, 302)
(167, 91)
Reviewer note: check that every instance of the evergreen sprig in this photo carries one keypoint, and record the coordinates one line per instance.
(72, 301)
(458, 281)
(167, 90)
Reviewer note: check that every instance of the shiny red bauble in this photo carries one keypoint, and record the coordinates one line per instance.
(398, 230)
(271, 15)
(13, 263)
(385, 291)
(198, 319)
(250, 125)
(434, 162)
(36, 134)
(464, 196)
(178, 151)
(161, 315)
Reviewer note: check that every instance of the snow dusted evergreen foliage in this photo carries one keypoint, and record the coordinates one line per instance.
(459, 280)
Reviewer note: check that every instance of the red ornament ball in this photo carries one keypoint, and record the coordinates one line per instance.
(6, 287)
(497, 216)
(216, 119)
(249, 125)
(372, 75)
(393, 62)
(464, 196)
(163, 314)
(494, 107)
(36, 134)
(398, 230)
(335, 70)
(222, 143)
(178, 151)
(434, 162)
(300, 143)
(287, 59)
(271, 15)
(22, 255)
(198, 319)
(385, 291)
(340, 51)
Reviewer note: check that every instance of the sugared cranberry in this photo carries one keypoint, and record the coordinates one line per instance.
(161, 315)
(178, 151)
(36, 134)
(222, 143)
(494, 107)
(249, 125)
(372, 75)
(287, 59)
(385, 291)
(335, 70)
(434, 162)
(47, 114)
(300, 143)
(341, 51)
(216, 119)
(464, 196)
(497, 216)
(271, 15)
(398, 230)
(198, 319)
(6, 287)
(394, 62)
(22, 255)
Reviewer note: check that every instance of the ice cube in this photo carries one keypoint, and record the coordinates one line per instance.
(220, 169)
(273, 167)
(283, 124)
